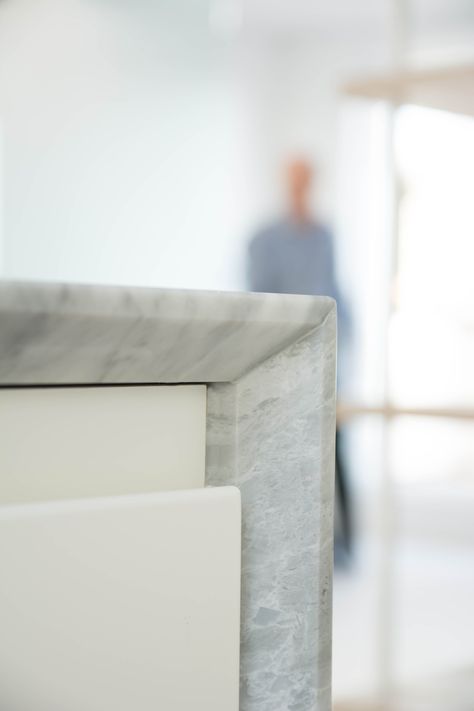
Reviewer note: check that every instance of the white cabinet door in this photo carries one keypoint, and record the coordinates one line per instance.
(60, 443)
(122, 604)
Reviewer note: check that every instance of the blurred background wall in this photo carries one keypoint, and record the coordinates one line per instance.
(150, 134)
(141, 142)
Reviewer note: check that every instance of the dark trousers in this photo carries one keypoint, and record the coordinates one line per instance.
(343, 500)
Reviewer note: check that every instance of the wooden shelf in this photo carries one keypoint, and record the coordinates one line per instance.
(447, 88)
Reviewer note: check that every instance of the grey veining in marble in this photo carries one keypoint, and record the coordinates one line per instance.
(269, 361)
(272, 435)
(89, 334)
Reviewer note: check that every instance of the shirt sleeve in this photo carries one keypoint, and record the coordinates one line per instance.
(343, 313)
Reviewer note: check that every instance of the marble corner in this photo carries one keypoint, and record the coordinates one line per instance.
(269, 363)
(271, 433)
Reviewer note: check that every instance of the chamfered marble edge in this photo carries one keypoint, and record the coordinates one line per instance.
(52, 333)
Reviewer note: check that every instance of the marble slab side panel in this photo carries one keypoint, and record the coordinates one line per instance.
(272, 434)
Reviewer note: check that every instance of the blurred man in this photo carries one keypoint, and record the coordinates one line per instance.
(295, 256)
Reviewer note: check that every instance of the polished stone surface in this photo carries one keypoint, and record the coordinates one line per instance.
(57, 333)
(269, 361)
(272, 435)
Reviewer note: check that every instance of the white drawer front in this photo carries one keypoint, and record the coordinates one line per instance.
(59, 443)
(121, 604)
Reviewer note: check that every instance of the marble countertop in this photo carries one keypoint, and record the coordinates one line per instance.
(53, 333)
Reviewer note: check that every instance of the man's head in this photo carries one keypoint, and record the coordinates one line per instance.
(299, 176)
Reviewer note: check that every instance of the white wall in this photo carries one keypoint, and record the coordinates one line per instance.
(124, 144)
(142, 147)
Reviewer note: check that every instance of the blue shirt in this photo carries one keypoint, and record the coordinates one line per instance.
(295, 258)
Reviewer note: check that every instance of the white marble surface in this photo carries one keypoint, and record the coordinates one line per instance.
(272, 435)
(56, 333)
(269, 362)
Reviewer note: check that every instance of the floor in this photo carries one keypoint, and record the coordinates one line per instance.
(453, 693)
(404, 608)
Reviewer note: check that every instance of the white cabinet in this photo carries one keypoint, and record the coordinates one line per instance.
(120, 570)
(61, 443)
